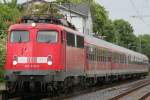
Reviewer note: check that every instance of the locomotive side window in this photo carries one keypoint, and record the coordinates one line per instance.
(70, 39)
(19, 36)
(47, 36)
(80, 42)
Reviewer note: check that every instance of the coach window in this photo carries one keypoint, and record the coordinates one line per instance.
(121, 58)
(98, 55)
(118, 58)
(94, 54)
(47, 36)
(129, 59)
(102, 56)
(125, 59)
(19, 36)
(80, 42)
(113, 57)
(70, 39)
(108, 55)
(105, 55)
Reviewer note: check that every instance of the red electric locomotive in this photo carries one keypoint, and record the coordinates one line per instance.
(43, 57)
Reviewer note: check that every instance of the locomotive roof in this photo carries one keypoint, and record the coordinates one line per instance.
(113, 47)
(25, 26)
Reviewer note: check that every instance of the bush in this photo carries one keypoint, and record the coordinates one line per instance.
(1, 75)
(2, 57)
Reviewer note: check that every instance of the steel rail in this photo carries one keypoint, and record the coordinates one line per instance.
(145, 96)
(131, 90)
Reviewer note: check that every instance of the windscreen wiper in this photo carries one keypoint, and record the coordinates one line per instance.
(20, 40)
(48, 41)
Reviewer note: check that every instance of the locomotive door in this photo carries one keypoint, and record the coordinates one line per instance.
(63, 49)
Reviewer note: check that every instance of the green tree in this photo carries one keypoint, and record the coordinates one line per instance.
(109, 32)
(124, 34)
(144, 44)
(12, 3)
(100, 18)
(9, 14)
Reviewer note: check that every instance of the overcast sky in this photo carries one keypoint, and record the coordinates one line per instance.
(126, 9)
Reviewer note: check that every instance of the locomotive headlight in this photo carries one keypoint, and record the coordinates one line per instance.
(15, 59)
(33, 24)
(49, 62)
(14, 62)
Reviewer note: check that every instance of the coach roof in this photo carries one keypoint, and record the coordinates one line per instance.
(113, 47)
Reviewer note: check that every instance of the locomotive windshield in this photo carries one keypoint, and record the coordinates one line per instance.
(19, 36)
(47, 36)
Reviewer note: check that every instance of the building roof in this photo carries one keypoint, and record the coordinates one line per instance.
(31, 1)
(82, 9)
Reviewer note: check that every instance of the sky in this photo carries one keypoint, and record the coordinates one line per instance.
(136, 12)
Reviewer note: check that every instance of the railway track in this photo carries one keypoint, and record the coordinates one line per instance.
(134, 90)
(146, 96)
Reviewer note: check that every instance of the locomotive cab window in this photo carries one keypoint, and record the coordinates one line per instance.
(19, 36)
(80, 42)
(47, 36)
(70, 39)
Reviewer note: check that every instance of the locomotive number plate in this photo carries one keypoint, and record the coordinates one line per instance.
(41, 59)
(22, 59)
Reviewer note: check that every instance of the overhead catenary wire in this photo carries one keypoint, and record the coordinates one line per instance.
(147, 2)
(138, 13)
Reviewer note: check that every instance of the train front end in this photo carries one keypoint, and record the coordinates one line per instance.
(34, 56)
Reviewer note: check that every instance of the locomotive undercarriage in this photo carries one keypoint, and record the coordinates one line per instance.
(27, 87)
(20, 83)
(31, 85)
